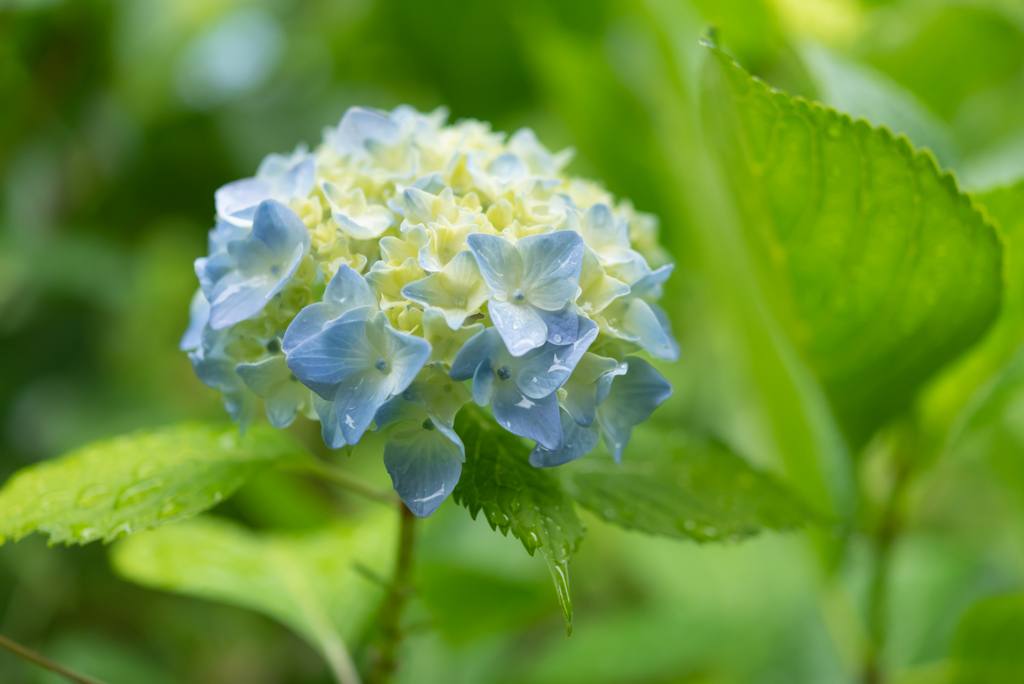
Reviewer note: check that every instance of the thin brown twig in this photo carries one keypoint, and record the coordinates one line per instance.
(44, 662)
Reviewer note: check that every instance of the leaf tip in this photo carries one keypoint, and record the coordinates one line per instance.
(709, 37)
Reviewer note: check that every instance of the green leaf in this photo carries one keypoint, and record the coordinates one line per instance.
(515, 497)
(114, 487)
(950, 392)
(987, 648)
(877, 267)
(454, 595)
(315, 583)
(700, 491)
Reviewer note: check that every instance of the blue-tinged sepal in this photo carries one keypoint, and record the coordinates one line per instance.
(346, 291)
(263, 263)
(281, 391)
(423, 454)
(579, 441)
(588, 386)
(631, 400)
(279, 178)
(358, 364)
(198, 317)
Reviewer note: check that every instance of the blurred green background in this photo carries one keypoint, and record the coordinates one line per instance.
(118, 120)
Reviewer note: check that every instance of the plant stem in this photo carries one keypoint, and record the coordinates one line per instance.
(395, 600)
(44, 662)
(887, 532)
(345, 481)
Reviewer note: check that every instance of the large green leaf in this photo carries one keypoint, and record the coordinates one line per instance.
(699, 491)
(987, 648)
(315, 583)
(955, 386)
(516, 497)
(111, 488)
(880, 271)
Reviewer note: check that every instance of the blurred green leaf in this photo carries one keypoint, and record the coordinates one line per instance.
(110, 661)
(1001, 164)
(952, 390)
(701, 491)
(314, 582)
(454, 596)
(498, 479)
(865, 93)
(111, 488)
(987, 648)
(877, 267)
(945, 52)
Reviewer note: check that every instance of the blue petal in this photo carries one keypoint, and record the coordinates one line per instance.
(535, 419)
(330, 429)
(551, 268)
(349, 290)
(563, 325)
(265, 261)
(499, 262)
(330, 356)
(211, 269)
(346, 291)
(395, 410)
(588, 386)
(308, 322)
(486, 348)
(198, 316)
(579, 441)
(223, 232)
(542, 372)
(298, 180)
(279, 228)
(236, 202)
(406, 355)
(281, 391)
(520, 326)
(424, 466)
(434, 392)
(360, 125)
(358, 397)
(649, 323)
(483, 384)
(241, 406)
(218, 372)
(508, 167)
(649, 285)
(432, 183)
(631, 400)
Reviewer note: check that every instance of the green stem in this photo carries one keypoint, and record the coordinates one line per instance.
(890, 526)
(44, 662)
(342, 479)
(394, 602)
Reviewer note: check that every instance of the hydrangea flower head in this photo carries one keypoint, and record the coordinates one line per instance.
(405, 268)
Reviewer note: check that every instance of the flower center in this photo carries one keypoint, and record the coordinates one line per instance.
(428, 425)
(504, 373)
(381, 365)
(518, 296)
(460, 301)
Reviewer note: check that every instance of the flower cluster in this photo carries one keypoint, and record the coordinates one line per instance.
(406, 268)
